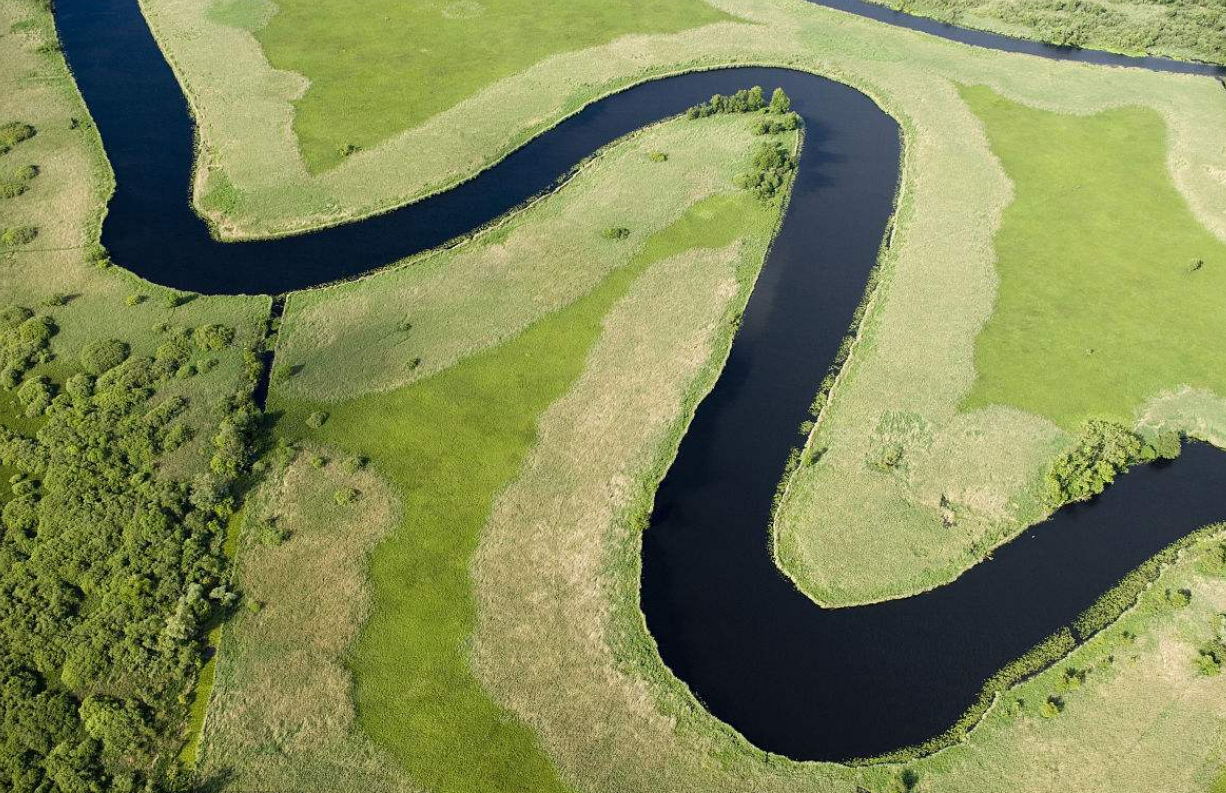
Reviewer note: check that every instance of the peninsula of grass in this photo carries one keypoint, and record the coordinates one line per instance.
(378, 67)
(450, 444)
(1110, 288)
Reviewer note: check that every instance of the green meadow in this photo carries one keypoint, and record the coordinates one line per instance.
(1110, 288)
(450, 444)
(377, 67)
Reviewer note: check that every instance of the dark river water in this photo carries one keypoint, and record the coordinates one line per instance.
(796, 679)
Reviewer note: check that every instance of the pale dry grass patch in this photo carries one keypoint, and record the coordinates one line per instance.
(282, 714)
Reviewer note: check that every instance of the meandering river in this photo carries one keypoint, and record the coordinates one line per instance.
(796, 679)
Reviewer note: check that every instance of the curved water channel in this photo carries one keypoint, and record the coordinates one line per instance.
(803, 681)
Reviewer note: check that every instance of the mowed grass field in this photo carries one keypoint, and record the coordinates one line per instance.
(1111, 291)
(378, 67)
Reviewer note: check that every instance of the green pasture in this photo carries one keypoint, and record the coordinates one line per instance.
(1110, 288)
(377, 67)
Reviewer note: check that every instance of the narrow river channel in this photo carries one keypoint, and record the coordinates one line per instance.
(796, 679)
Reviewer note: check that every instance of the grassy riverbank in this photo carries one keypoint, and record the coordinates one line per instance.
(451, 441)
(1184, 29)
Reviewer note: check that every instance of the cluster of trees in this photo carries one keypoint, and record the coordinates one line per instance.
(109, 568)
(1104, 450)
(749, 100)
(770, 169)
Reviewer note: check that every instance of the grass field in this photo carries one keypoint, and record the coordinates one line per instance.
(377, 67)
(973, 446)
(1109, 287)
(453, 440)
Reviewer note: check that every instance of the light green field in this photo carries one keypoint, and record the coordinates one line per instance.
(378, 67)
(1110, 289)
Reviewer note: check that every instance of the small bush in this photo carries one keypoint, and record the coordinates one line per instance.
(35, 395)
(351, 465)
(134, 300)
(318, 461)
(18, 235)
(1178, 598)
(12, 189)
(1208, 660)
(772, 125)
(103, 355)
(316, 419)
(272, 535)
(615, 233)
(346, 495)
(13, 133)
(1167, 445)
(1052, 707)
(657, 156)
(210, 338)
(26, 172)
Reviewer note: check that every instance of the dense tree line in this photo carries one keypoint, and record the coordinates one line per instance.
(1103, 450)
(109, 569)
(1190, 28)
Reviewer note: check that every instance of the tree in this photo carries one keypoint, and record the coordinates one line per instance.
(780, 103)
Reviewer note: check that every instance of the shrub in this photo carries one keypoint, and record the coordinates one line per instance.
(102, 355)
(774, 125)
(18, 235)
(1208, 660)
(12, 133)
(26, 172)
(316, 419)
(1052, 707)
(35, 395)
(657, 156)
(318, 461)
(1178, 598)
(271, 534)
(615, 233)
(12, 189)
(134, 300)
(1167, 445)
(770, 168)
(351, 465)
(209, 338)
(346, 495)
